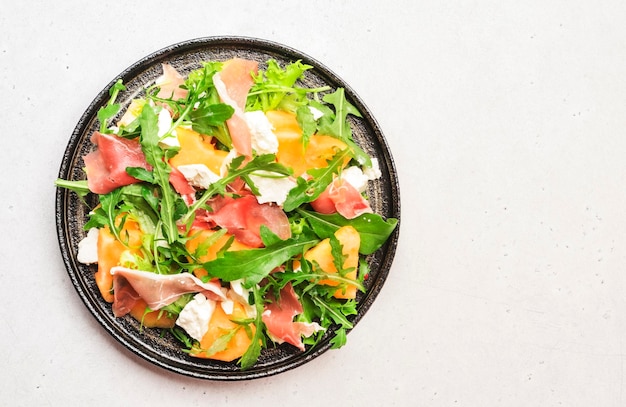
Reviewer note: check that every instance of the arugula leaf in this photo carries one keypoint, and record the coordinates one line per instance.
(155, 157)
(307, 123)
(207, 117)
(340, 338)
(182, 336)
(108, 111)
(336, 250)
(141, 174)
(332, 309)
(372, 228)
(108, 203)
(253, 352)
(255, 264)
(308, 190)
(79, 187)
(337, 124)
(268, 237)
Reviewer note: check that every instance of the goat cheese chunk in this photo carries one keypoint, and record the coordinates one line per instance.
(164, 122)
(264, 140)
(373, 172)
(195, 316)
(358, 178)
(88, 247)
(198, 175)
(273, 187)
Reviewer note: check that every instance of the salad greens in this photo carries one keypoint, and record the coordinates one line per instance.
(167, 218)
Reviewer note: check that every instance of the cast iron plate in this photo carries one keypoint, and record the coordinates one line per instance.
(71, 214)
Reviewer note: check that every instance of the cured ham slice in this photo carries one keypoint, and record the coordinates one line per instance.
(278, 318)
(169, 84)
(181, 185)
(233, 83)
(243, 217)
(343, 198)
(106, 166)
(157, 290)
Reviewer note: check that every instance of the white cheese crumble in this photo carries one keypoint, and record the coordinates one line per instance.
(228, 306)
(198, 175)
(264, 140)
(237, 287)
(316, 113)
(195, 316)
(358, 178)
(355, 177)
(88, 247)
(232, 154)
(273, 187)
(239, 295)
(373, 172)
(164, 122)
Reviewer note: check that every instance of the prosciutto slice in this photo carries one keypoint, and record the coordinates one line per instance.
(106, 166)
(181, 185)
(233, 83)
(169, 84)
(278, 318)
(243, 217)
(343, 198)
(157, 290)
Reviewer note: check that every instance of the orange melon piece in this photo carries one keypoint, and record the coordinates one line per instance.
(322, 255)
(291, 151)
(109, 251)
(197, 149)
(219, 325)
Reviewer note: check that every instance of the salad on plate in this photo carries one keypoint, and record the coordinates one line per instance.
(231, 209)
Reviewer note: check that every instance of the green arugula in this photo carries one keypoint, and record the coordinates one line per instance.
(80, 187)
(336, 123)
(209, 119)
(307, 123)
(156, 157)
(108, 111)
(209, 114)
(253, 352)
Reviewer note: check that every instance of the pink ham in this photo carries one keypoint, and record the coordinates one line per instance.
(157, 290)
(243, 217)
(179, 182)
(343, 198)
(169, 84)
(278, 318)
(106, 166)
(233, 83)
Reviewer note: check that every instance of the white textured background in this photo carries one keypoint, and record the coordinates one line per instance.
(507, 121)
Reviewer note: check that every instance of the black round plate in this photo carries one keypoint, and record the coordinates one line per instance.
(71, 213)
